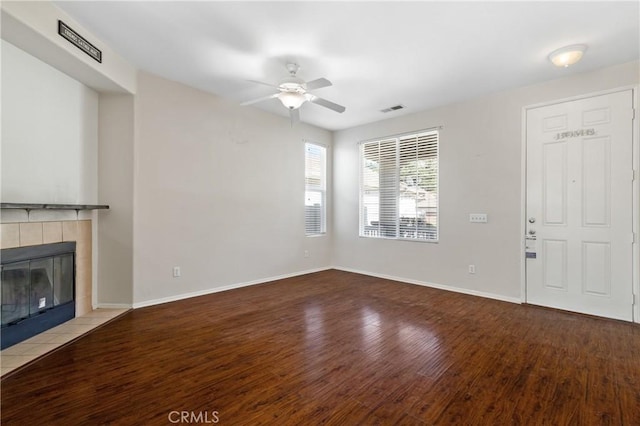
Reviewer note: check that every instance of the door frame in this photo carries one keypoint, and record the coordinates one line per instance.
(636, 190)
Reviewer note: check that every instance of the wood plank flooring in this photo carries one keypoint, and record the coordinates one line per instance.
(337, 348)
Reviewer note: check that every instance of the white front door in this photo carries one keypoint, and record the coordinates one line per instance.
(579, 206)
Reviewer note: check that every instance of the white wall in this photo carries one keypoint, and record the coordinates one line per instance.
(49, 133)
(219, 191)
(480, 172)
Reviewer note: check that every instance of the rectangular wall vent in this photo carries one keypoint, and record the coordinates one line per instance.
(393, 108)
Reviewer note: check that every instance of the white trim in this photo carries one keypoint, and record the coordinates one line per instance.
(636, 204)
(434, 285)
(314, 142)
(397, 139)
(400, 135)
(323, 190)
(223, 288)
(523, 208)
(636, 187)
(582, 96)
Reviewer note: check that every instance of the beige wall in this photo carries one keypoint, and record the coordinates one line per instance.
(218, 191)
(480, 172)
(65, 92)
(49, 133)
(115, 188)
(33, 27)
(201, 183)
(218, 188)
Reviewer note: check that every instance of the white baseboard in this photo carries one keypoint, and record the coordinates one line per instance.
(177, 297)
(433, 285)
(112, 306)
(223, 288)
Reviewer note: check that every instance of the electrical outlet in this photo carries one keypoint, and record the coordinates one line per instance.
(176, 272)
(478, 217)
(306, 253)
(472, 269)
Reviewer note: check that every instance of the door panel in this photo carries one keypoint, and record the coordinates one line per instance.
(554, 197)
(579, 206)
(596, 266)
(555, 264)
(596, 175)
(596, 116)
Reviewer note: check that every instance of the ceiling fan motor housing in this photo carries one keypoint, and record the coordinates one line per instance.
(293, 68)
(293, 83)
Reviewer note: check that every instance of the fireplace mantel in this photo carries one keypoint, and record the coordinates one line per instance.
(47, 206)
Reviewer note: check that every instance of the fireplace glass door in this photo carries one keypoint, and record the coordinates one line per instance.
(32, 287)
(15, 292)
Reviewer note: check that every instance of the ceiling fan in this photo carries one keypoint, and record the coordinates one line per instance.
(293, 92)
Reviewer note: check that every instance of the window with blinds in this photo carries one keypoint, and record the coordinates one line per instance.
(399, 187)
(315, 159)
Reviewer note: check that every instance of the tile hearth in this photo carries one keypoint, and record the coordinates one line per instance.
(24, 352)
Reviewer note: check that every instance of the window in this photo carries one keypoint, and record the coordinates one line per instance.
(315, 159)
(399, 187)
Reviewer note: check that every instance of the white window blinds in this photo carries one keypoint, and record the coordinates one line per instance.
(315, 189)
(399, 187)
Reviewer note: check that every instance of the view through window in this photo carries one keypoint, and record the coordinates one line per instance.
(399, 187)
(315, 189)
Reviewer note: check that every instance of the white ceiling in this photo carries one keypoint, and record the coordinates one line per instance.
(377, 54)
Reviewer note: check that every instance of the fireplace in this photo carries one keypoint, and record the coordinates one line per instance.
(38, 289)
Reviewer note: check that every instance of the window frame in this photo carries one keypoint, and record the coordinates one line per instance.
(321, 189)
(361, 190)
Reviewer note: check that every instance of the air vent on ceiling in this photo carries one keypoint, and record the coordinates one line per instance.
(393, 108)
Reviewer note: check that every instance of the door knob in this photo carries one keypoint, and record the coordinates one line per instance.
(532, 232)
(532, 220)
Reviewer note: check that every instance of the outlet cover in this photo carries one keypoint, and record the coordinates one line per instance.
(478, 218)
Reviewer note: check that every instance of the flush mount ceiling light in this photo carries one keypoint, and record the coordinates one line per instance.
(568, 55)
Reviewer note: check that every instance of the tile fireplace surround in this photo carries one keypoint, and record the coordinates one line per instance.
(35, 233)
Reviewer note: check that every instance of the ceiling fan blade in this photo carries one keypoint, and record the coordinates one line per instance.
(264, 98)
(295, 116)
(263, 83)
(327, 104)
(318, 84)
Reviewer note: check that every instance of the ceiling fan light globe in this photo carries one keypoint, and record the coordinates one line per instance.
(292, 100)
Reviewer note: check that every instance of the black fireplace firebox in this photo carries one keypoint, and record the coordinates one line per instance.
(38, 290)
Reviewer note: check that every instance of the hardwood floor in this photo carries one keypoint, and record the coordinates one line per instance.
(337, 348)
